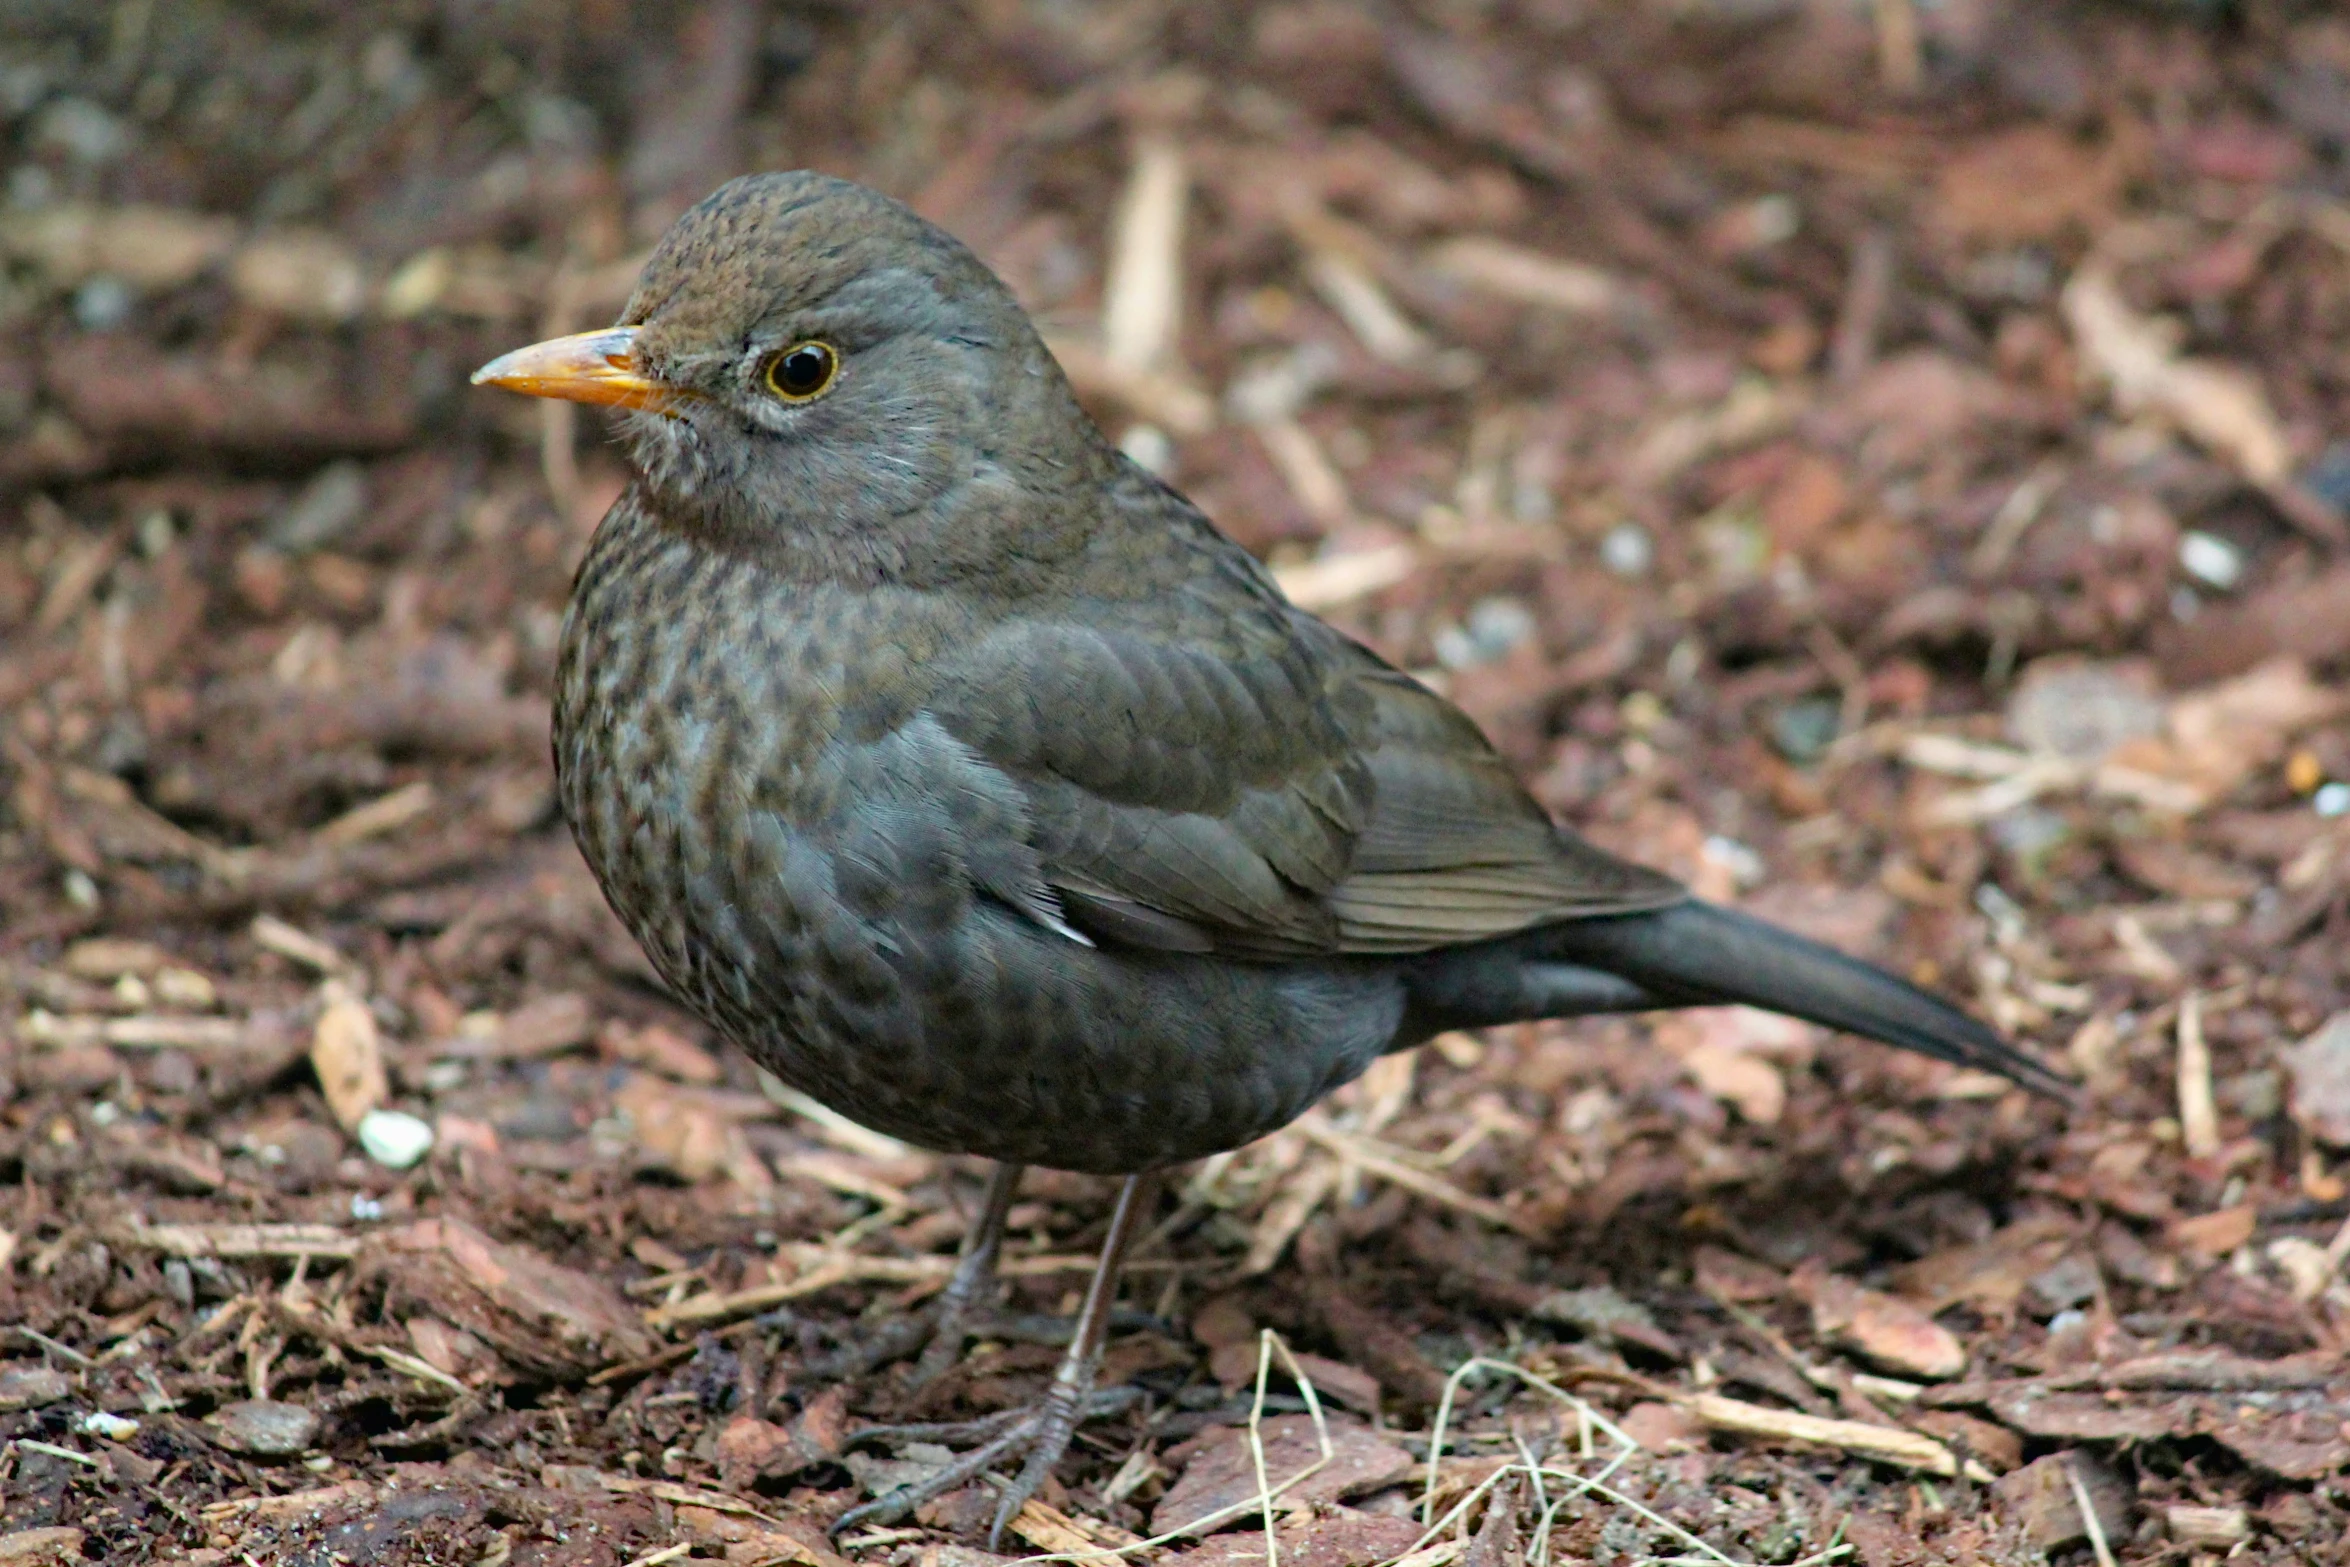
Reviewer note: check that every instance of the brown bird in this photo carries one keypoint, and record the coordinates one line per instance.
(967, 777)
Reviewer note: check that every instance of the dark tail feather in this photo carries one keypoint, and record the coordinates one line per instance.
(1698, 954)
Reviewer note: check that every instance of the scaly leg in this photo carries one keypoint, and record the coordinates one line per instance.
(939, 1331)
(973, 1274)
(1042, 1431)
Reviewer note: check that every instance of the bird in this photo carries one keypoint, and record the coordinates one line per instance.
(966, 776)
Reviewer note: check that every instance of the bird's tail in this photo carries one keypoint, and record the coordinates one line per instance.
(1697, 954)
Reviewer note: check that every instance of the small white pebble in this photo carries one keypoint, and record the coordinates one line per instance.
(114, 1428)
(1744, 865)
(2210, 559)
(2331, 799)
(1453, 647)
(185, 988)
(1773, 220)
(1627, 550)
(394, 1138)
(1499, 624)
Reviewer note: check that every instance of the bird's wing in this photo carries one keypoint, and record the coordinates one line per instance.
(1454, 848)
(1184, 794)
(1235, 776)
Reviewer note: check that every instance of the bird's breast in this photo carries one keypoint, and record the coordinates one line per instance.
(703, 711)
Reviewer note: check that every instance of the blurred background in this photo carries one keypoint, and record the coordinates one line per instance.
(1884, 461)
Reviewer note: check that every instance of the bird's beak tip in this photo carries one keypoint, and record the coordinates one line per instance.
(586, 367)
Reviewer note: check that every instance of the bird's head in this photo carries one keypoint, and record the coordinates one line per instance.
(810, 364)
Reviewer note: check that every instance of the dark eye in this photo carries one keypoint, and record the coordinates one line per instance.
(802, 371)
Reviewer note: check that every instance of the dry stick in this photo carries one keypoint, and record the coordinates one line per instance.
(1901, 59)
(289, 1505)
(1867, 291)
(677, 1495)
(1375, 1157)
(2023, 507)
(2198, 1113)
(1887, 1444)
(847, 1270)
(1142, 297)
(55, 1348)
(248, 1241)
(2090, 1522)
(1904, 1448)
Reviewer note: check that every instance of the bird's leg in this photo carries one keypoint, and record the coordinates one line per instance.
(1042, 1431)
(1065, 1401)
(938, 1332)
(974, 1271)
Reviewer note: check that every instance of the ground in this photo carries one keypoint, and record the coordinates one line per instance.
(1874, 459)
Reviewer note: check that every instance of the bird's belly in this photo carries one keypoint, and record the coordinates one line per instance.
(937, 1015)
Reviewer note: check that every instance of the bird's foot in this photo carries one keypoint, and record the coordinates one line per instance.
(939, 1332)
(1038, 1434)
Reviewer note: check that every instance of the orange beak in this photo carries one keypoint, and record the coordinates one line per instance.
(587, 367)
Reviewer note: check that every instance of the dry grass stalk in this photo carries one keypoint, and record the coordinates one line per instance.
(1382, 1160)
(1526, 277)
(1338, 580)
(837, 1270)
(1310, 474)
(1142, 289)
(2198, 1110)
(2091, 1524)
(1269, 1345)
(1587, 1420)
(1883, 1444)
(257, 1242)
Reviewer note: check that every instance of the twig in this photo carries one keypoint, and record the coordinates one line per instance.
(296, 945)
(2198, 1113)
(1377, 1159)
(2090, 1522)
(830, 1124)
(272, 1241)
(54, 1451)
(1142, 291)
(1900, 47)
(843, 1270)
(1335, 580)
(55, 1348)
(1885, 1444)
(2016, 514)
(1867, 291)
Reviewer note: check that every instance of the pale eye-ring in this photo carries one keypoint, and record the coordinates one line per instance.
(803, 372)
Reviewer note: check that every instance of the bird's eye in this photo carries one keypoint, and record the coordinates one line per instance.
(802, 372)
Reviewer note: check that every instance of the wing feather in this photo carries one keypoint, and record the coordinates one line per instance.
(1208, 768)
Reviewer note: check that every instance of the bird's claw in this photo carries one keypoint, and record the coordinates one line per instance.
(1041, 1432)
